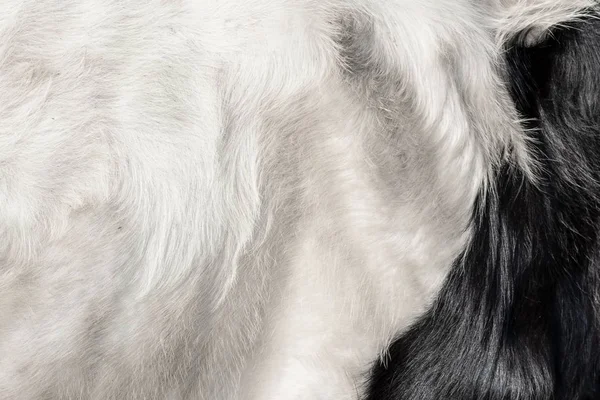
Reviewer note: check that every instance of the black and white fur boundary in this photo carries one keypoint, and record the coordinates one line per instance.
(518, 317)
(250, 199)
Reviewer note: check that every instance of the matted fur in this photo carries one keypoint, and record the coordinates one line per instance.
(239, 199)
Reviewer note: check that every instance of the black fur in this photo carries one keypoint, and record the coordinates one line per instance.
(517, 318)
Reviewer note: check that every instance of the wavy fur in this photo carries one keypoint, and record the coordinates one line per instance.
(244, 199)
(518, 316)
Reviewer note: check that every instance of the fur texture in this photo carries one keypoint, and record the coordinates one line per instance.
(248, 199)
(518, 317)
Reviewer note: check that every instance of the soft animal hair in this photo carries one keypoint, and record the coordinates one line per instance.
(518, 316)
(249, 199)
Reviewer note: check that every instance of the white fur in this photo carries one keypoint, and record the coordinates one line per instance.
(201, 199)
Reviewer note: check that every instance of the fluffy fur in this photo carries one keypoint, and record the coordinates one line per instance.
(518, 316)
(247, 199)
